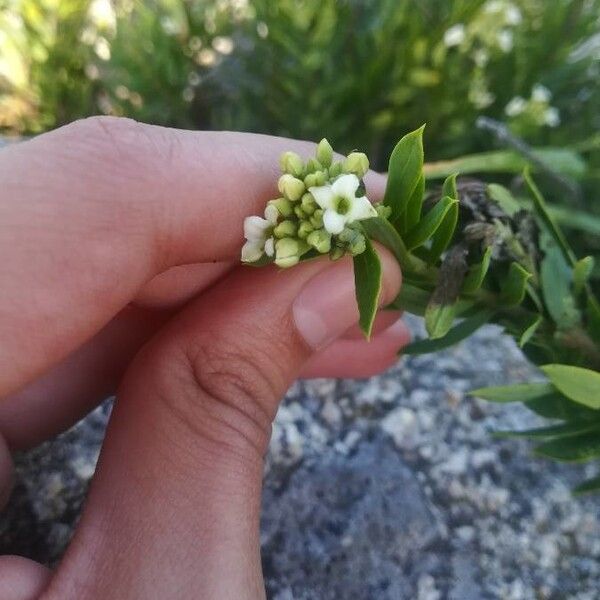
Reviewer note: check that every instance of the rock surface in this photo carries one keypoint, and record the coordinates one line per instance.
(387, 488)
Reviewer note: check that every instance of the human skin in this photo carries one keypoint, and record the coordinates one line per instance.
(119, 273)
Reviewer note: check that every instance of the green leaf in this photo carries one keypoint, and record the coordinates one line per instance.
(556, 287)
(441, 239)
(449, 186)
(530, 331)
(581, 385)
(581, 273)
(439, 319)
(519, 392)
(404, 171)
(577, 448)
(554, 431)
(515, 285)
(412, 215)
(429, 224)
(411, 299)
(477, 273)
(458, 333)
(504, 198)
(542, 211)
(556, 406)
(588, 486)
(382, 231)
(367, 279)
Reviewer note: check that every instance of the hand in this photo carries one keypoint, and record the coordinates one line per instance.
(120, 245)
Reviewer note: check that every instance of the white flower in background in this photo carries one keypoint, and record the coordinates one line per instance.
(340, 203)
(481, 57)
(455, 35)
(540, 93)
(495, 6)
(505, 40)
(552, 117)
(516, 106)
(513, 15)
(258, 233)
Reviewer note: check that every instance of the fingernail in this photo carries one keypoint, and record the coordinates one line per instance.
(326, 306)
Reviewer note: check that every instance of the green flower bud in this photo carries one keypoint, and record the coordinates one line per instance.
(324, 152)
(335, 169)
(383, 211)
(291, 163)
(312, 166)
(291, 187)
(357, 163)
(320, 240)
(304, 229)
(347, 235)
(310, 180)
(321, 178)
(300, 213)
(317, 218)
(358, 245)
(308, 204)
(286, 228)
(288, 252)
(283, 205)
(336, 253)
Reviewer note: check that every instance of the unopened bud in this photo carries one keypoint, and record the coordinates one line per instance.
(291, 163)
(313, 165)
(308, 204)
(336, 253)
(285, 229)
(358, 245)
(320, 240)
(300, 213)
(324, 153)
(291, 187)
(383, 211)
(288, 252)
(310, 180)
(283, 206)
(304, 229)
(316, 219)
(321, 178)
(357, 163)
(335, 169)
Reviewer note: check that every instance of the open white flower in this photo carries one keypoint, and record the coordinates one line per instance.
(259, 235)
(340, 203)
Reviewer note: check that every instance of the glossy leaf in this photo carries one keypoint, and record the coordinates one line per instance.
(412, 214)
(515, 285)
(411, 299)
(588, 486)
(519, 392)
(429, 224)
(542, 211)
(439, 319)
(556, 287)
(367, 279)
(449, 186)
(581, 273)
(530, 331)
(578, 384)
(404, 172)
(554, 431)
(458, 333)
(382, 231)
(504, 198)
(577, 448)
(441, 239)
(477, 273)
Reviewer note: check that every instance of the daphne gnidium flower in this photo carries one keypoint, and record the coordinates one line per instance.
(340, 203)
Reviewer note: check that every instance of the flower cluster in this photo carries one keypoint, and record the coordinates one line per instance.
(321, 204)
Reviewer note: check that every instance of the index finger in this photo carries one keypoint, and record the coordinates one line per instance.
(92, 211)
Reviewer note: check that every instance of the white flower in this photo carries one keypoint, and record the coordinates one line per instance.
(481, 57)
(340, 203)
(540, 93)
(505, 40)
(515, 107)
(513, 15)
(455, 35)
(495, 6)
(258, 234)
(552, 117)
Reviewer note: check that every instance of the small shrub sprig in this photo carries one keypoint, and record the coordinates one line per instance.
(471, 253)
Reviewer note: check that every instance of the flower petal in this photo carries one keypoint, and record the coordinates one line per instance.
(271, 214)
(333, 222)
(270, 247)
(323, 196)
(361, 209)
(345, 186)
(252, 250)
(255, 228)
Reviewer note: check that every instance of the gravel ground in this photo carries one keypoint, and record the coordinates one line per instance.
(386, 488)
